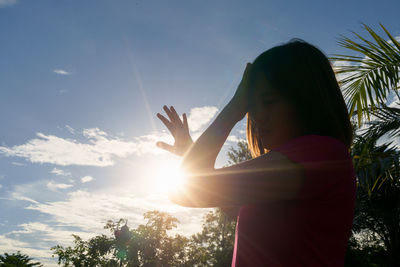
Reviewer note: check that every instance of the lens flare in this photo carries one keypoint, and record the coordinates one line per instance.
(169, 178)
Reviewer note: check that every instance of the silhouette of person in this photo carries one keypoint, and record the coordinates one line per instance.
(295, 197)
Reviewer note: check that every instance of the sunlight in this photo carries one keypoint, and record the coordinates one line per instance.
(169, 177)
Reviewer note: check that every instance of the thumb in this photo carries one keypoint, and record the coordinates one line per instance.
(165, 146)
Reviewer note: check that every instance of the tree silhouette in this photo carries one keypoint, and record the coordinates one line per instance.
(17, 260)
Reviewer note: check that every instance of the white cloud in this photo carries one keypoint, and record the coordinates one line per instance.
(341, 76)
(18, 196)
(1, 186)
(61, 72)
(4, 3)
(397, 38)
(55, 150)
(86, 179)
(233, 138)
(101, 149)
(30, 191)
(54, 186)
(392, 99)
(90, 211)
(36, 238)
(60, 172)
(198, 117)
(95, 133)
(18, 163)
(11, 245)
(70, 129)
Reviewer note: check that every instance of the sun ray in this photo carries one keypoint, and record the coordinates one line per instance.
(140, 84)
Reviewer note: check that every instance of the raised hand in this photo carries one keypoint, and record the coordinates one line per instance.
(241, 98)
(178, 129)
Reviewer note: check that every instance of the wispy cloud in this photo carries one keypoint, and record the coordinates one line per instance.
(18, 163)
(338, 65)
(86, 179)
(56, 150)
(5, 3)
(60, 172)
(233, 138)
(9, 244)
(18, 196)
(54, 186)
(90, 211)
(198, 117)
(70, 129)
(35, 239)
(100, 149)
(62, 72)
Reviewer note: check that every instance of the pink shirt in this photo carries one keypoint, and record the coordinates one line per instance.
(313, 228)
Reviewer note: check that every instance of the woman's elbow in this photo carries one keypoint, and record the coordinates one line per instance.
(186, 199)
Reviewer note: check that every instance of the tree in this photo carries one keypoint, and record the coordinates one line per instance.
(147, 245)
(377, 213)
(153, 245)
(371, 75)
(97, 251)
(213, 246)
(17, 260)
(369, 78)
(242, 153)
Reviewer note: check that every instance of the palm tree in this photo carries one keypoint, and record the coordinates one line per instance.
(377, 211)
(387, 122)
(17, 259)
(369, 79)
(371, 76)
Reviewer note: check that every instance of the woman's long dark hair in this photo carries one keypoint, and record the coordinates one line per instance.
(302, 74)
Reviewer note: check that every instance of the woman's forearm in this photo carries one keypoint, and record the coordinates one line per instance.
(203, 153)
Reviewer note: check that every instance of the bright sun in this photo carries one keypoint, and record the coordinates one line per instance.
(169, 177)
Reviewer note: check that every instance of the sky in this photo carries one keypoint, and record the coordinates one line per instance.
(81, 83)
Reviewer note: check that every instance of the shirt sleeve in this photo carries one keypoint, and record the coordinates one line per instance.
(327, 165)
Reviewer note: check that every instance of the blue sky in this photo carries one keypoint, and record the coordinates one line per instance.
(81, 82)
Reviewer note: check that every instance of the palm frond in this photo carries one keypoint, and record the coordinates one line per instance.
(371, 76)
(374, 165)
(387, 122)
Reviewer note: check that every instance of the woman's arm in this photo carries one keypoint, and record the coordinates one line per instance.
(271, 176)
(268, 177)
(203, 153)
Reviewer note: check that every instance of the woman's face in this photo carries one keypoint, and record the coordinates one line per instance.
(274, 116)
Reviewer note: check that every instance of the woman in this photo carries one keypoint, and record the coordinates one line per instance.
(296, 195)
